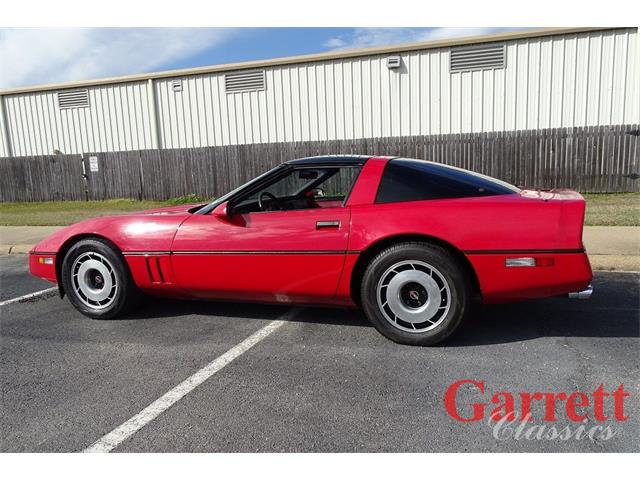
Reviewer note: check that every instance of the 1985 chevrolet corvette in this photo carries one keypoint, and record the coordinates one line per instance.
(414, 243)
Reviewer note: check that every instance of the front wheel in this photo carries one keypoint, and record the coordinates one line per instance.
(416, 293)
(97, 281)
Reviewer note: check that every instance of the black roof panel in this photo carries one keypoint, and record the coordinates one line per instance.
(331, 160)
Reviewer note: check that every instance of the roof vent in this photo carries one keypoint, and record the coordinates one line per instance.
(477, 57)
(73, 99)
(176, 85)
(244, 81)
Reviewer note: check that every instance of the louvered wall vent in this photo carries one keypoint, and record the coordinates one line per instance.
(176, 85)
(477, 57)
(244, 81)
(73, 99)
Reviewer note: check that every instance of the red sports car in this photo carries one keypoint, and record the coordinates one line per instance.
(414, 243)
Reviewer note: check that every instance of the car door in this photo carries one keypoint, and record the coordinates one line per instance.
(291, 255)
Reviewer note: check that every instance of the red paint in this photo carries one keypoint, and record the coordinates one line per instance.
(571, 272)
(48, 272)
(365, 189)
(264, 255)
(502, 222)
(282, 256)
(152, 230)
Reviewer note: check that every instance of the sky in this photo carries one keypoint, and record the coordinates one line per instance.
(35, 56)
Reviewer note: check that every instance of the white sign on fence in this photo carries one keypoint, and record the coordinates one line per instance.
(93, 164)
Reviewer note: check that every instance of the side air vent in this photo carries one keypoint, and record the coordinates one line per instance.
(244, 81)
(155, 269)
(73, 99)
(477, 57)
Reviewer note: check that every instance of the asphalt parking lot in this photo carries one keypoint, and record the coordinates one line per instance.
(324, 381)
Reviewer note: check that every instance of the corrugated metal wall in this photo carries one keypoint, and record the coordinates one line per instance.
(117, 119)
(561, 81)
(3, 147)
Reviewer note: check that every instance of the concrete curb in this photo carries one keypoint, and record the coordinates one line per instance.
(19, 248)
(615, 263)
(612, 240)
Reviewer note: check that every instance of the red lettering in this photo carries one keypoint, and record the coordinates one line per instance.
(505, 409)
(598, 403)
(571, 406)
(526, 399)
(550, 405)
(618, 397)
(450, 402)
(577, 404)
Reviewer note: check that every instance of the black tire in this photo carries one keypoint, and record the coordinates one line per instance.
(451, 304)
(121, 298)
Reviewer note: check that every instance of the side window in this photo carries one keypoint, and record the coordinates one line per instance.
(406, 180)
(301, 188)
(282, 189)
(337, 186)
(295, 181)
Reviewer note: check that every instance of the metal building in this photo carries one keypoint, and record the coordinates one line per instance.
(527, 80)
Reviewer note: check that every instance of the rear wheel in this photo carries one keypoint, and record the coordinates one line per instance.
(97, 281)
(416, 293)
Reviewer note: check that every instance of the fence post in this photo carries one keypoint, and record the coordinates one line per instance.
(84, 178)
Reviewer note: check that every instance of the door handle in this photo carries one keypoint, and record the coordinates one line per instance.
(327, 224)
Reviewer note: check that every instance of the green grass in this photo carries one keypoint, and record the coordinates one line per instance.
(191, 198)
(602, 209)
(613, 209)
(66, 213)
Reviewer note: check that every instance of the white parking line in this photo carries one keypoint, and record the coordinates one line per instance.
(114, 438)
(28, 296)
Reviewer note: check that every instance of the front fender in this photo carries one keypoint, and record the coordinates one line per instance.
(128, 233)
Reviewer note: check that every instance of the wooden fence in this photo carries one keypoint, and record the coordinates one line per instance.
(41, 178)
(590, 159)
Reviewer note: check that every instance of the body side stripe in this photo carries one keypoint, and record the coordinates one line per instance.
(521, 252)
(244, 252)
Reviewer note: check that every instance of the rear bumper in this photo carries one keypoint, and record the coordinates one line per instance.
(569, 273)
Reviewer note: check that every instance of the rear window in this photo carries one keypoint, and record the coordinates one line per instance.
(407, 180)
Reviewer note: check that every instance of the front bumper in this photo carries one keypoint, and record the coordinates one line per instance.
(43, 265)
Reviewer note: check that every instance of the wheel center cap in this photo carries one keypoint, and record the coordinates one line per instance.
(413, 295)
(96, 280)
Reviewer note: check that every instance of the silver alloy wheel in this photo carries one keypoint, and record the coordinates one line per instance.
(94, 280)
(413, 296)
